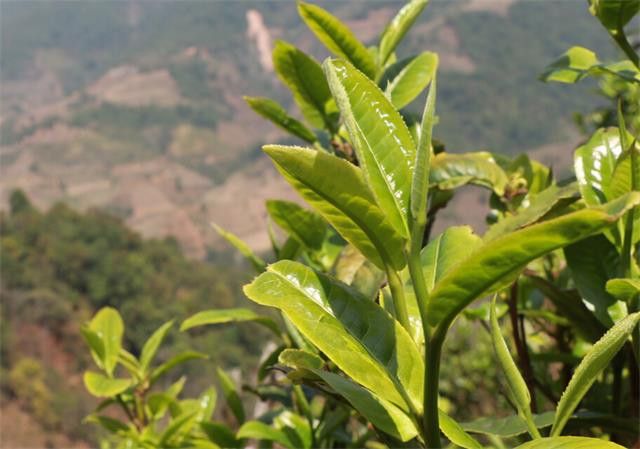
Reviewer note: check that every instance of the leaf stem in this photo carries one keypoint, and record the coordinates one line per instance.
(433, 351)
(621, 39)
(399, 301)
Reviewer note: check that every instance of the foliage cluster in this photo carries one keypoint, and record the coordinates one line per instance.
(59, 267)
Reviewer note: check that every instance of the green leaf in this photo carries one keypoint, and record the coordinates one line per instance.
(383, 144)
(336, 189)
(231, 395)
(131, 364)
(272, 111)
(355, 333)
(594, 163)
(517, 385)
(579, 62)
(304, 77)
(596, 360)
(381, 413)
(455, 433)
(508, 427)
(420, 181)
(623, 289)
(495, 261)
(304, 225)
(111, 424)
(569, 443)
(614, 14)
(95, 343)
(261, 431)
(221, 316)
(539, 205)
(108, 326)
(152, 344)
(337, 37)
(173, 362)
(104, 387)
(397, 28)
(175, 428)
(295, 427)
(352, 268)
(297, 358)
(449, 171)
(405, 80)
(220, 434)
(241, 246)
(593, 261)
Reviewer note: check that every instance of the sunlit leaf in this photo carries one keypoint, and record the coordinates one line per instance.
(231, 395)
(596, 360)
(337, 37)
(152, 344)
(495, 261)
(354, 332)
(623, 289)
(449, 170)
(304, 77)
(398, 27)
(336, 189)
(103, 386)
(569, 443)
(222, 316)
(405, 80)
(241, 246)
(108, 326)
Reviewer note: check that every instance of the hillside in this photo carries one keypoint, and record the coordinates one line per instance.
(58, 268)
(135, 107)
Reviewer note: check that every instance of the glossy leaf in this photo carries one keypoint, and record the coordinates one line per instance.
(510, 426)
(569, 443)
(304, 225)
(384, 146)
(222, 316)
(231, 395)
(103, 386)
(422, 166)
(517, 385)
(337, 37)
(297, 358)
(336, 189)
(131, 364)
(538, 206)
(354, 332)
(175, 428)
(405, 80)
(596, 360)
(152, 344)
(449, 171)
(623, 289)
(173, 362)
(304, 77)
(261, 431)
(242, 247)
(593, 261)
(96, 345)
(398, 27)
(108, 326)
(455, 433)
(495, 261)
(594, 163)
(272, 111)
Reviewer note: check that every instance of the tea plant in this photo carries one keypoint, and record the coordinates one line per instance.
(379, 183)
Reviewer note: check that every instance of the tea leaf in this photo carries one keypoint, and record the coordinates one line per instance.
(404, 80)
(272, 111)
(398, 27)
(569, 443)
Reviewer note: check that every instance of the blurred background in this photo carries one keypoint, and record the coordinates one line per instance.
(123, 135)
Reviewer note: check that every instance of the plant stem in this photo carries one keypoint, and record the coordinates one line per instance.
(625, 46)
(399, 301)
(430, 420)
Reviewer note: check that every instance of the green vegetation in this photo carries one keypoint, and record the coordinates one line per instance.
(60, 266)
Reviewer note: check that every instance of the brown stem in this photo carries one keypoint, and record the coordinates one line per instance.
(521, 346)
